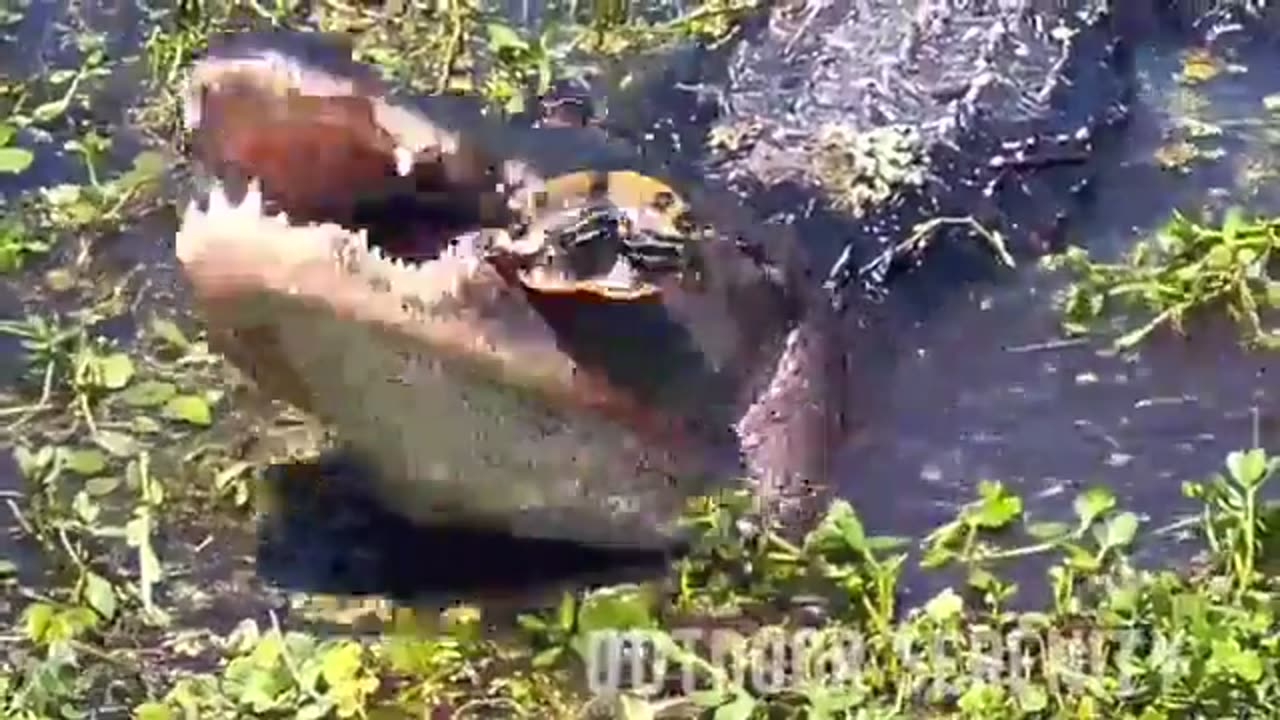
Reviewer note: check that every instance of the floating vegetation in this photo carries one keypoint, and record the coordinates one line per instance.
(862, 170)
(1183, 268)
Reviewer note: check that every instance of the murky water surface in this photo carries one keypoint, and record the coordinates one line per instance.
(986, 387)
(983, 387)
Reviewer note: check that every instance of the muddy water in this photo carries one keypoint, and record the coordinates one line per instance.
(979, 388)
(986, 387)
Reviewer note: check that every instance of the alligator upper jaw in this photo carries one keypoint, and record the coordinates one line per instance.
(327, 145)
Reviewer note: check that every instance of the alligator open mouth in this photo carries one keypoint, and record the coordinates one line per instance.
(356, 257)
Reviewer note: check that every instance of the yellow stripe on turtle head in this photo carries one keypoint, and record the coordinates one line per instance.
(661, 220)
(624, 188)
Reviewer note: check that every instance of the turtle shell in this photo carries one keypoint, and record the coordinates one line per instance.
(617, 235)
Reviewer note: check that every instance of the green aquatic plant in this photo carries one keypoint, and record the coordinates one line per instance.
(1185, 267)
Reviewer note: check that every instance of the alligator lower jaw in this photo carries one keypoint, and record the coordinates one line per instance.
(439, 375)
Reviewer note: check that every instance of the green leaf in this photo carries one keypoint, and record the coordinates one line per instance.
(144, 425)
(188, 408)
(100, 595)
(85, 507)
(567, 611)
(49, 110)
(1229, 656)
(341, 663)
(37, 618)
(998, 506)
(983, 579)
(152, 711)
(168, 331)
(840, 530)
(1092, 503)
(1121, 529)
(1248, 665)
(87, 461)
(117, 443)
(147, 166)
(548, 657)
(1080, 559)
(14, 160)
(149, 393)
(944, 606)
(502, 36)
(100, 486)
(620, 607)
(1248, 469)
(740, 708)
(116, 369)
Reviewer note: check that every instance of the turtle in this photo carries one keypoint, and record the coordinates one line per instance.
(617, 235)
(515, 328)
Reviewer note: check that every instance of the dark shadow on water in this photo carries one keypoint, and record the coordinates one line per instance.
(325, 533)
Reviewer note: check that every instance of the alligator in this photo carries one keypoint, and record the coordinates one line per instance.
(520, 329)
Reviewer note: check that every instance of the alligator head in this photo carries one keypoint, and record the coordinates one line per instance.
(383, 263)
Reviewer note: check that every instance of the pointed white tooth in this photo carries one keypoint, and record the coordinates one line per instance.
(252, 203)
(621, 273)
(281, 218)
(192, 214)
(192, 110)
(404, 161)
(218, 203)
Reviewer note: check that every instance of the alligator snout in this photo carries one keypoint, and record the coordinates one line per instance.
(327, 147)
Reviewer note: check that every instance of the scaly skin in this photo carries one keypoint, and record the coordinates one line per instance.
(480, 391)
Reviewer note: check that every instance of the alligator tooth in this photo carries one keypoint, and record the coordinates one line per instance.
(252, 203)
(218, 203)
(192, 213)
(192, 111)
(621, 273)
(404, 161)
